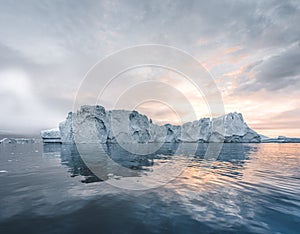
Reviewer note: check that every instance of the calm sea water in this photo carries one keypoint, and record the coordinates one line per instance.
(250, 188)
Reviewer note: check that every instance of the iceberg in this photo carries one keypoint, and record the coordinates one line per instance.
(94, 124)
(51, 136)
(5, 141)
(280, 139)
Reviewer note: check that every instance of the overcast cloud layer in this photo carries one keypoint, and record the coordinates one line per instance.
(251, 48)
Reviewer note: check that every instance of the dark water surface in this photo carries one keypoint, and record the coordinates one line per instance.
(250, 188)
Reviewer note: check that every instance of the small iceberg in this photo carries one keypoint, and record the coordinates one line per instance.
(280, 139)
(51, 136)
(5, 141)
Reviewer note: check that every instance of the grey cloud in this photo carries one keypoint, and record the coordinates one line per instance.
(253, 65)
(9, 57)
(279, 72)
(86, 28)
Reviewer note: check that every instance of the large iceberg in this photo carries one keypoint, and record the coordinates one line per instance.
(93, 124)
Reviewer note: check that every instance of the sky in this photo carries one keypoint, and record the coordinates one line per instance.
(250, 48)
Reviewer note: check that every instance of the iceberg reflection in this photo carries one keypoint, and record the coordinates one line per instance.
(109, 161)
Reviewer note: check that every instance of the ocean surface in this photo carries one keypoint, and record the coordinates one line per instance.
(53, 188)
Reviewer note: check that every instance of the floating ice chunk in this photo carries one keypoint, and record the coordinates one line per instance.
(51, 136)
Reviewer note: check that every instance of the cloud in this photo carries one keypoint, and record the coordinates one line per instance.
(248, 46)
(21, 110)
(279, 72)
(285, 123)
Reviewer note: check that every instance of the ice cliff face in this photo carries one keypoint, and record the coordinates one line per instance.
(93, 124)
